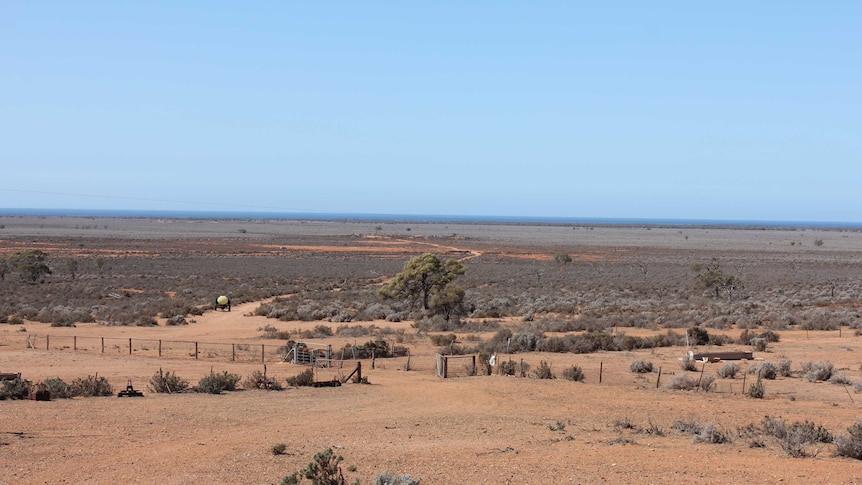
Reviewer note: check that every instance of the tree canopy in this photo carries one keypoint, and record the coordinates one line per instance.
(31, 265)
(424, 279)
(711, 277)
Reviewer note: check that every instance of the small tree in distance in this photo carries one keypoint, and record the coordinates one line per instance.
(711, 277)
(31, 265)
(423, 277)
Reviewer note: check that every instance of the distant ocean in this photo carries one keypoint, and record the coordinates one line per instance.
(344, 216)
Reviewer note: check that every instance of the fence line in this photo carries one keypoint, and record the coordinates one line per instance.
(234, 352)
(595, 372)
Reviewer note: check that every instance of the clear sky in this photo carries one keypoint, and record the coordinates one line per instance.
(698, 110)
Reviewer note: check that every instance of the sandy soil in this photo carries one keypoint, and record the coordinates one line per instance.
(490, 429)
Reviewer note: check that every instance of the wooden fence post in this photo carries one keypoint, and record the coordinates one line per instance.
(74, 342)
(47, 342)
(103, 345)
(261, 352)
(658, 379)
(130, 346)
(160, 347)
(232, 352)
(601, 371)
(196, 350)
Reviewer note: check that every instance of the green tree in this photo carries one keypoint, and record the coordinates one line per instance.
(448, 302)
(711, 277)
(31, 265)
(421, 278)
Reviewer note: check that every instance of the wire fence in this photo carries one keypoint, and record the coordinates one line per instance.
(170, 349)
(518, 365)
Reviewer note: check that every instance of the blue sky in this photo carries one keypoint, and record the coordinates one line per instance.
(695, 110)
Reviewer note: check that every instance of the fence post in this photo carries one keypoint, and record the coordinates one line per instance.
(160, 347)
(601, 371)
(658, 379)
(74, 342)
(130, 346)
(47, 342)
(103, 345)
(232, 352)
(261, 353)
(196, 350)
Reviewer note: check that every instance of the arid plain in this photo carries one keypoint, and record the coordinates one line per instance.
(803, 284)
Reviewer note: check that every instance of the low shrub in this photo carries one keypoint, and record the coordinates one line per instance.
(543, 371)
(217, 383)
(817, 371)
(58, 388)
(756, 390)
(682, 382)
(728, 370)
(850, 445)
(387, 478)
(641, 366)
(508, 367)
(840, 378)
(710, 433)
(443, 340)
(279, 449)
(574, 373)
(687, 363)
(15, 389)
(167, 382)
(706, 383)
(92, 386)
(764, 370)
(304, 378)
(783, 368)
(256, 380)
(796, 439)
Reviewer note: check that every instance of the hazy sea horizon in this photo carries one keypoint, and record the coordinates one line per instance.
(347, 216)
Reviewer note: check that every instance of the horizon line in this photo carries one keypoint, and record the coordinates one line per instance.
(347, 216)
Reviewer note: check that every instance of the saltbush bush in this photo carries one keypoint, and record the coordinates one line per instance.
(215, 383)
(728, 370)
(92, 386)
(167, 382)
(304, 378)
(574, 373)
(850, 445)
(641, 366)
(15, 389)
